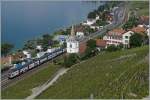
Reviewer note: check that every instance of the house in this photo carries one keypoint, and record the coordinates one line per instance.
(82, 47)
(138, 29)
(39, 47)
(79, 31)
(117, 37)
(144, 20)
(95, 26)
(126, 38)
(11, 58)
(72, 43)
(28, 54)
(89, 22)
(148, 31)
(100, 43)
(97, 17)
(61, 38)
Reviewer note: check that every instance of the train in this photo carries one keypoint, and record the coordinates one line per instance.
(14, 72)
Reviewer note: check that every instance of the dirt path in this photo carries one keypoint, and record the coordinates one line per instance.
(38, 90)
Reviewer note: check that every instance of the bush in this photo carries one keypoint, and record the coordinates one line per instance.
(136, 40)
(70, 60)
(92, 15)
(112, 48)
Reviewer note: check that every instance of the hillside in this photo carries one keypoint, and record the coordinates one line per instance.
(141, 6)
(121, 74)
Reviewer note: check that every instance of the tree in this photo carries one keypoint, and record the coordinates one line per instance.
(6, 48)
(91, 43)
(92, 15)
(30, 44)
(133, 21)
(101, 8)
(70, 60)
(136, 40)
(101, 23)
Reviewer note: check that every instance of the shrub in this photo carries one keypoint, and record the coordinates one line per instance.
(112, 48)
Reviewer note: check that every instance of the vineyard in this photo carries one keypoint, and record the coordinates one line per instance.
(121, 74)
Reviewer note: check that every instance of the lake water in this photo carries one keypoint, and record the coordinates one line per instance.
(25, 20)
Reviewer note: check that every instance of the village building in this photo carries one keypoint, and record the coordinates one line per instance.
(82, 47)
(89, 22)
(144, 20)
(27, 53)
(72, 43)
(79, 31)
(138, 29)
(39, 47)
(101, 44)
(117, 37)
(61, 38)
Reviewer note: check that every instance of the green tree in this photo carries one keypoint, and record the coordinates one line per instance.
(136, 40)
(30, 44)
(101, 8)
(133, 21)
(91, 43)
(92, 15)
(70, 60)
(6, 48)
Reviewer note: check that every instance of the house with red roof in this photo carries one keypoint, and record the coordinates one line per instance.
(117, 37)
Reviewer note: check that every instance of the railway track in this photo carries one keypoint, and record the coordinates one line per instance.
(5, 82)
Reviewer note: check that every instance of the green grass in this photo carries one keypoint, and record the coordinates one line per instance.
(23, 88)
(142, 5)
(104, 78)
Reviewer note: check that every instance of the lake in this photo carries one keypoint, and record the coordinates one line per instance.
(25, 20)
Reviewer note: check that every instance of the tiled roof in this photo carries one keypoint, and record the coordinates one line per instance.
(144, 20)
(116, 32)
(100, 43)
(138, 29)
(79, 28)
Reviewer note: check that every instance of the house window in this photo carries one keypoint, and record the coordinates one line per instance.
(126, 41)
(70, 46)
(126, 37)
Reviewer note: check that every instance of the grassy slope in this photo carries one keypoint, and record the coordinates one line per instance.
(23, 88)
(142, 5)
(105, 78)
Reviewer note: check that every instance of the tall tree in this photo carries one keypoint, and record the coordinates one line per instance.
(92, 15)
(91, 43)
(136, 40)
(6, 48)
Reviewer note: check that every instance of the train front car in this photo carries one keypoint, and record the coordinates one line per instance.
(13, 72)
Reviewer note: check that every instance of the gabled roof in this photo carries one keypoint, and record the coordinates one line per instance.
(138, 29)
(144, 20)
(100, 43)
(118, 32)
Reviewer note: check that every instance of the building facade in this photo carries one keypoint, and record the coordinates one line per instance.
(72, 43)
(117, 37)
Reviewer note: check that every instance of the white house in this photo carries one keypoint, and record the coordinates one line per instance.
(79, 34)
(39, 47)
(28, 55)
(118, 36)
(72, 43)
(126, 37)
(148, 31)
(89, 22)
(79, 31)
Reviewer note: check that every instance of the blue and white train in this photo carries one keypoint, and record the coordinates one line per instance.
(13, 72)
